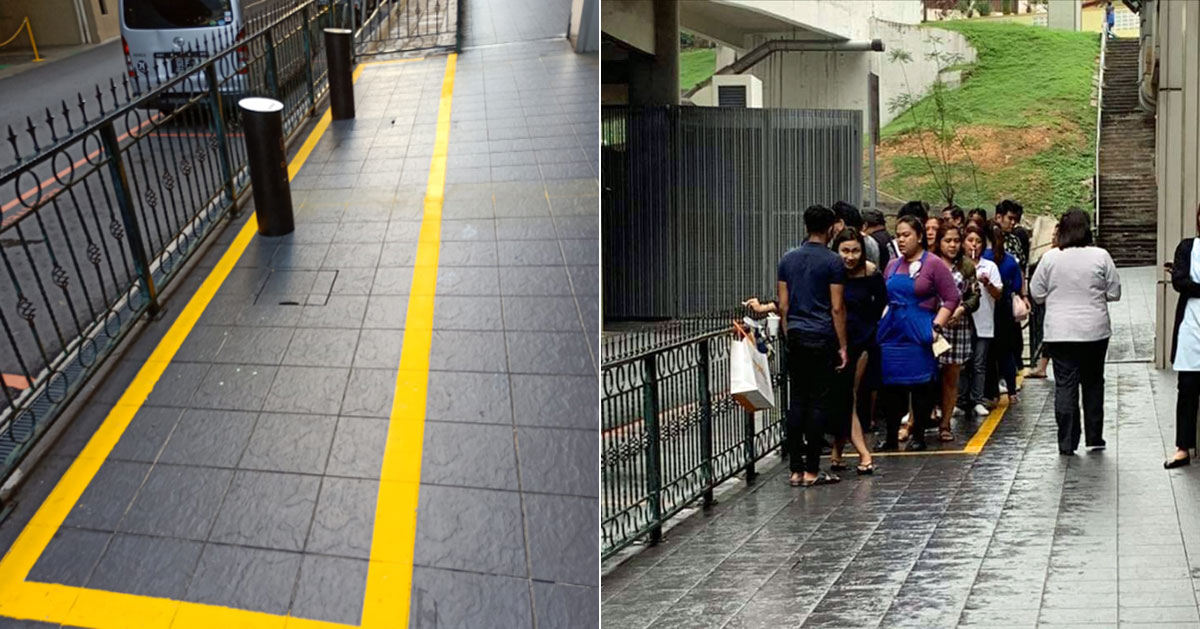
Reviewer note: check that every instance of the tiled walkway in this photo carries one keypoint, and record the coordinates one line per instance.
(1014, 537)
(249, 477)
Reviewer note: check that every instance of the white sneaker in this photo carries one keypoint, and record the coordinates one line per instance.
(1003, 388)
(981, 410)
(958, 412)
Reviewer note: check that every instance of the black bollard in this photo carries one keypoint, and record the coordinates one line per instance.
(262, 122)
(339, 54)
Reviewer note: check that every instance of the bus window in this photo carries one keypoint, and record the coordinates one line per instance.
(168, 14)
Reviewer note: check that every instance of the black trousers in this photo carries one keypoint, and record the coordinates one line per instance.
(1187, 404)
(812, 389)
(895, 401)
(1078, 366)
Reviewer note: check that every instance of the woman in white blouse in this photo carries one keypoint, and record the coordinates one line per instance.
(1076, 281)
(1185, 348)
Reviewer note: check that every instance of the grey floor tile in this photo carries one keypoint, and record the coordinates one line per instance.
(379, 349)
(339, 311)
(555, 460)
(455, 350)
(394, 280)
(471, 529)
(200, 346)
(108, 496)
(146, 434)
(70, 557)
(342, 256)
(177, 384)
(245, 578)
(562, 544)
(267, 510)
(289, 443)
(147, 566)
(561, 606)
(452, 254)
(312, 390)
(468, 397)
(358, 446)
(466, 599)
(386, 312)
(488, 448)
(209, 437)
(543, 280)
(345, 518)
(234, 387)
(585, 280)
(369, 393)
(177, 501)
(555, 401)
(322, 347)
(254, 346)
(468, 281)
(529, 253)
(549, 353)
(552, 314)
(468, 230)
(467, 313)
(331, 589)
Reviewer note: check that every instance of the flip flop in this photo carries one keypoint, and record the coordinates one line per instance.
(866, 470)
(822, 478)
(945, 436)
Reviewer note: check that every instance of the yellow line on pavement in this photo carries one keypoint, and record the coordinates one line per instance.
(389, 573)
(99, 609)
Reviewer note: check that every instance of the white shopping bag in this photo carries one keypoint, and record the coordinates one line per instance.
(750, 376)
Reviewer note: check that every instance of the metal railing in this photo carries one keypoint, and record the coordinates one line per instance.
(671, 432)
(100, 219)
(699, 203)
(409, 26)
(1099, 115)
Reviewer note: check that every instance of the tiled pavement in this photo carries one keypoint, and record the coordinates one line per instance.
(248, 479)
(1014, 537)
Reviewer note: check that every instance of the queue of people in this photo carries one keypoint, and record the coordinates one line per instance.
(906, 330)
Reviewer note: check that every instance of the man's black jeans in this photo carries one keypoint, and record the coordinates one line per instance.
(811, 371)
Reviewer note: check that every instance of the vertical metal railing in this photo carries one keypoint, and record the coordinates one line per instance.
(1099, 116)
(700, 202)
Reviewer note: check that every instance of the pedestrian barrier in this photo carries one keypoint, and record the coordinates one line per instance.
(99, 219)
(671, 432)
(28, 28)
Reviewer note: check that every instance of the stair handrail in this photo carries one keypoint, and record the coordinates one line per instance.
(1099, 110)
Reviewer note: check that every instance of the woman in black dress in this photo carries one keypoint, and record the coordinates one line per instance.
(865, 299)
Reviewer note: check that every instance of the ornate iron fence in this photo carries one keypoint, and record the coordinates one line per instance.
(101, 216)
(390, 26)
(671, 432)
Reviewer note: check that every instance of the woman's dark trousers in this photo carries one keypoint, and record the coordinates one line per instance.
(1078, 366)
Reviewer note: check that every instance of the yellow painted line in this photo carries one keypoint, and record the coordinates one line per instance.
(975, 445)
(389, 573)
(99, 609)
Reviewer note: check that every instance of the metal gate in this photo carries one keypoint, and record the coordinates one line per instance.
(699, 203)
(400, 26)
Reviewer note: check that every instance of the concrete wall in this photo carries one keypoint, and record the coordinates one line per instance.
(1064, 14)
(584, 27)
(59, 23)
(1177, 147)
(838, 80)
(846, 19)
(631, 21)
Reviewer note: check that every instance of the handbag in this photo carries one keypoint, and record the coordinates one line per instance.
(1019, 308)
(749, 373)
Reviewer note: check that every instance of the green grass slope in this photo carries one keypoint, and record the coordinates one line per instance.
(1025, 105)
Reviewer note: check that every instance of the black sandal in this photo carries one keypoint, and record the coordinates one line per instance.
(822, 478)
(1174, 463)
(866, 470)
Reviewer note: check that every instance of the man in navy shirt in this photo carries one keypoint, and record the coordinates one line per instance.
(811, 279)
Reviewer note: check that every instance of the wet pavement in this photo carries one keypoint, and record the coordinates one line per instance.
(1016, 536)
(259, 464)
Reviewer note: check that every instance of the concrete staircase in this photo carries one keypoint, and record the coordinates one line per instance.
(1128, 190)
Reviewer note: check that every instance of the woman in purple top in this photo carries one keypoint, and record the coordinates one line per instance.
(921, 296)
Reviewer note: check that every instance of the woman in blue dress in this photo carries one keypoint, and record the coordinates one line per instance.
(921, 296)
